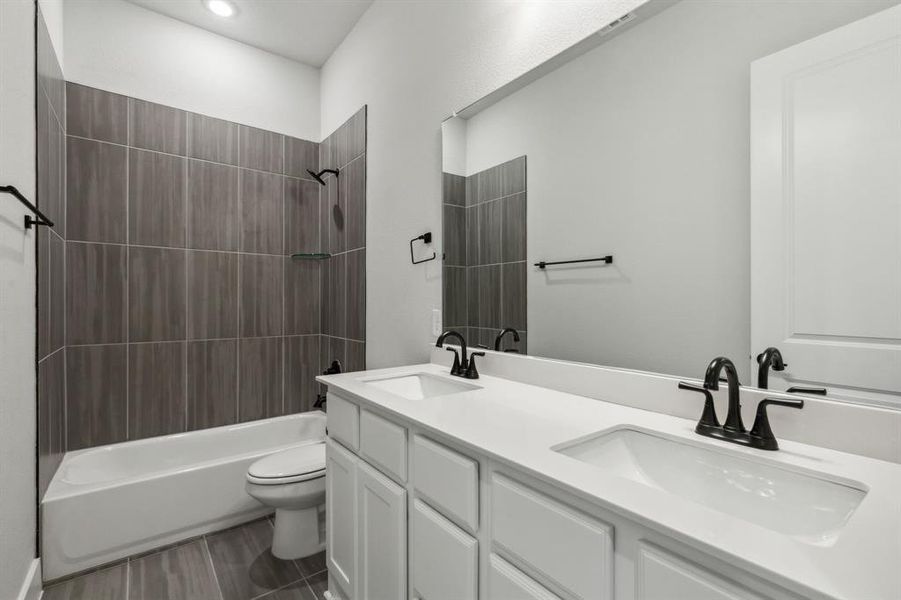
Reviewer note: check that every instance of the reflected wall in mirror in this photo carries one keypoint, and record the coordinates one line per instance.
(641, 147)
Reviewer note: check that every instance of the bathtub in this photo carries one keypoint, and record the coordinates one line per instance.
(110, 502)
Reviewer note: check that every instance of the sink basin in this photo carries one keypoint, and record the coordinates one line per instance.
(420, 386)
(805, 506)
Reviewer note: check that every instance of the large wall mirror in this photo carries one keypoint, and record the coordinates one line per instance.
(728, 174)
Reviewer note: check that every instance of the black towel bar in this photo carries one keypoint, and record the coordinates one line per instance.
(29, 220)
(606, 259)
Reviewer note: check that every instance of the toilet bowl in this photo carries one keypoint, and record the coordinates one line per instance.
(293, 483)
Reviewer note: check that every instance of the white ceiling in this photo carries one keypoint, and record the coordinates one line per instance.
(303, 30)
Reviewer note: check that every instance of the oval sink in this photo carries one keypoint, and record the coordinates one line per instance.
(420, 386)
(807, 507)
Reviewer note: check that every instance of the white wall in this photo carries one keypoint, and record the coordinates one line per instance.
(123, 48)
(640, 148)
(415, 63)
(53, 17)
(17, 298)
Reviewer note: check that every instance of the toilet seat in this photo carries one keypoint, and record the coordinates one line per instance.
(294, 465)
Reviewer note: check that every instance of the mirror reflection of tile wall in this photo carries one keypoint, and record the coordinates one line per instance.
(485, 253)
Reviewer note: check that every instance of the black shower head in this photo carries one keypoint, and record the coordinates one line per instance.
(318, 176)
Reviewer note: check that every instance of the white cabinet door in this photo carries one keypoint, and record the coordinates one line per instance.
(443, 558)
(665, 576)
(341, 516)
(382, 506)
(826, 209)
(506, 582)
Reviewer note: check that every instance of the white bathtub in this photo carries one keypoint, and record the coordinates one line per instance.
(113, 501)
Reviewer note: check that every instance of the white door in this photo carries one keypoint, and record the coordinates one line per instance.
(341, 516)
(382, 506)
(826, 210)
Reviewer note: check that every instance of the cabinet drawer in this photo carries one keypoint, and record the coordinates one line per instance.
(343, 419)
(507, 582)
(662, 575)
(568, 548)
(449, 480)
(384, 444)
(444, 559)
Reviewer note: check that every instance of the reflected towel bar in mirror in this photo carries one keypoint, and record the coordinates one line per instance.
(605, 259)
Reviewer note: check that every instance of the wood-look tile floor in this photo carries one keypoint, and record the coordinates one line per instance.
(234, 564)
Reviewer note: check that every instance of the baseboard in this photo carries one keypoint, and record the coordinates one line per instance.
(31, 587)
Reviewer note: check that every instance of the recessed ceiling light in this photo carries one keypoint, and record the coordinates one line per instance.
(222, 8)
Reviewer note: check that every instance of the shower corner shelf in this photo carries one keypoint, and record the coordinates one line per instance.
(311, 256)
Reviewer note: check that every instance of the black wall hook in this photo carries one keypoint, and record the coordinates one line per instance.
(426, 238)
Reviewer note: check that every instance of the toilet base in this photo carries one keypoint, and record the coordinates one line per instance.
(296, 533)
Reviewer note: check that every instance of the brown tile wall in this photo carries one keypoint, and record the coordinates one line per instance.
(184, 309)
(51, 252)
(485, 253)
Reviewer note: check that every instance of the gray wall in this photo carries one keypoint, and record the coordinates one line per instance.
(185, 309)
(640, 149)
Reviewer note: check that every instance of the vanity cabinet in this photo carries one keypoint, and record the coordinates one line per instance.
(411, 516)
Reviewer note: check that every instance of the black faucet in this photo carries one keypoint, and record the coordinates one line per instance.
(770, 358)
(461, 366)
(761, 435)
(500, 337)
(712, 382)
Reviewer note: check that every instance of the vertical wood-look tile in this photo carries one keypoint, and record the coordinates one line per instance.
(156, 294)
(262, 206)
(351, 138)
(328, 152)
(156, 199)
(302, 296)
(96, 114)
(472, 296)
(96, 395)
(301, 369)
(106, 584)
(180, 573)
(336, 309)
(157, 127)
(513, 306)
(454, 227)
(334, 215)
(244, 565)
(212, 206)
(353, 188)
(490, 231)
(355, 354)
(51, 399)
(489, 296)
(212, 295)
(514, 228)
(156, 389)
(95, 304)
(213, 139)
(301, 155)
(96, 190)
(57, 292)
(301, 216)
(453, 189)
(356, 295)
(261, 150)
(43, 291)
(260, 366)
(212, 383)
(472, 236)
(332, 349)
(262, 288)
(455, 297)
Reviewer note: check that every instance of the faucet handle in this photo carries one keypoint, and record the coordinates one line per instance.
(761, 434)
(804, 390)
(455, 370)
(471, 371)
(708, 417)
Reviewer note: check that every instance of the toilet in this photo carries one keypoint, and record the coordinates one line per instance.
(293, 483)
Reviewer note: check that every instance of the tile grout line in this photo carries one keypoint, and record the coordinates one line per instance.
(239, 319)
(209, 555)
(127, 274)
(186, 224)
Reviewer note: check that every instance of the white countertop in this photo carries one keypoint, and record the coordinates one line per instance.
(517, 424)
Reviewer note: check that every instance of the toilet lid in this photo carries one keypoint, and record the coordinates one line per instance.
(302, 460)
